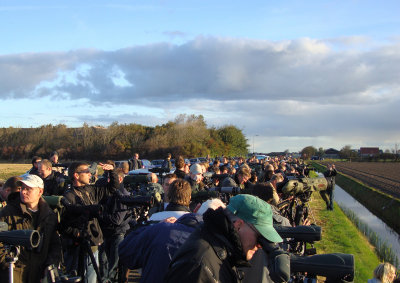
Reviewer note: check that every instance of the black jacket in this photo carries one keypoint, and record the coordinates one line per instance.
(211, 254)
(72, 223)
(52, 186)
(180, 173)
(116, 216)
(135, 164)
(330, 176)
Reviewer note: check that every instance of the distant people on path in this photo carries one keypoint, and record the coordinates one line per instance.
(327, 195)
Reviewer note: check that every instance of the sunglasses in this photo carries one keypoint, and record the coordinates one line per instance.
(83, 171)
(255, 231)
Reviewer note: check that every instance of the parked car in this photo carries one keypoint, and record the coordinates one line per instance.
(194, 160)
(157, 163)
(146, 163)
(202, 159)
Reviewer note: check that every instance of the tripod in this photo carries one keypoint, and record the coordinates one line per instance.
(81, 253)
(11, 258)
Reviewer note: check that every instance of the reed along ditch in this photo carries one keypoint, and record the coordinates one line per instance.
(384, 232)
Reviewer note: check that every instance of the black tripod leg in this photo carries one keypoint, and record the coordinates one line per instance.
(95, 266)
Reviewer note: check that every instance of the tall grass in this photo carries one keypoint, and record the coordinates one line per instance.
(383, 249)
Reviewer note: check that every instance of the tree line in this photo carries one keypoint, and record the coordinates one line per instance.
(187, 135)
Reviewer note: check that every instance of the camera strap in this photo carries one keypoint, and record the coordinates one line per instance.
(80, 195)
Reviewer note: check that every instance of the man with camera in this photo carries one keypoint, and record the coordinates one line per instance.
(27, 210)
(80, 226)
(228, 239)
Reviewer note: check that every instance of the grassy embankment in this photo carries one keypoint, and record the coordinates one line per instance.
(339, 235)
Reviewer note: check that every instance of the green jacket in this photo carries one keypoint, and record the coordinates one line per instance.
(31, 262)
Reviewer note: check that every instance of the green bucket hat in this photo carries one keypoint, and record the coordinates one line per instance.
(254, 210)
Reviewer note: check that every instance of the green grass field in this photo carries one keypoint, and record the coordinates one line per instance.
(340, 235)
(8, 170)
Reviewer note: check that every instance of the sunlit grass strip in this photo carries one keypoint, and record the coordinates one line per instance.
(339, 234)
(383, 249)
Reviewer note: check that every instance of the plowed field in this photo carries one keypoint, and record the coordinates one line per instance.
(379, 175)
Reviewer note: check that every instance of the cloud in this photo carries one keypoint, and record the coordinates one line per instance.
(211, 68)
(303, 89)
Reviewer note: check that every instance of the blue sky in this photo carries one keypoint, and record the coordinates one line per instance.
(289, 73)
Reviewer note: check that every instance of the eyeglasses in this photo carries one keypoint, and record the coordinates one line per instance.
(254, 229)
(83, 171)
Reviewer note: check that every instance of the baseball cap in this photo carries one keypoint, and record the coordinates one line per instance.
(33, 181)
(254, 210)
(196, 169)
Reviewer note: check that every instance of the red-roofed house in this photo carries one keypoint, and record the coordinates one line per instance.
(369, 151)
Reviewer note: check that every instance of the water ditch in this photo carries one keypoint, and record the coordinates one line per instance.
(374, 223)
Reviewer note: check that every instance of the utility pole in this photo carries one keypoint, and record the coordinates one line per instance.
(253, 142)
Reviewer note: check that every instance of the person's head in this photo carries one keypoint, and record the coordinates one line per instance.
(180, 192)
(196, 173)
(254, 178)
(125, 167)
(186, 169)
(136, 155)
(12, 185)
(35, 161)
(385, 272)
(168, 157)
(32, 187)
(120, 174)
(45, 168)
(211, 203)
(282, 167)
(204, 166)
(79, 173)
(276, 178)
(251, 218)
(152, 177)
(168, 179)
(264, 191)
(216, 169)
(243, 174)
(54, 157)
(224, 169)
(180, 163)
(269, 167)
(231, 171)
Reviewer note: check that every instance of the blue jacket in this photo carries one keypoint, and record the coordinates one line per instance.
(152, 247)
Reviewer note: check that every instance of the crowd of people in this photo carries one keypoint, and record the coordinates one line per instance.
(190, 236)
